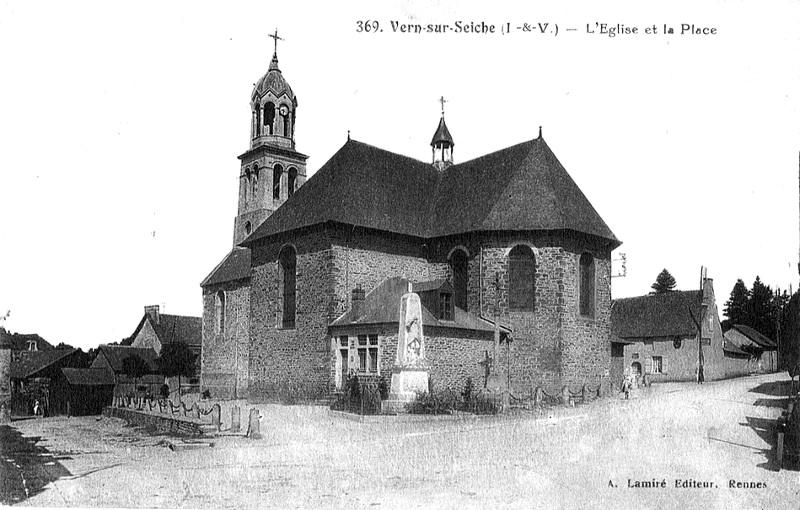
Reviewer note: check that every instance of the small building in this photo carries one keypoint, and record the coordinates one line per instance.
(112, 358)
(457, 343)
(31, 374)
(666, 336)
(763, 351)
(82, 391)
(157, 329)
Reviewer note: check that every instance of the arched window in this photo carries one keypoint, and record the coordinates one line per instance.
(269, 117)
(285, 118)
(276, 182)
(290, 187)
(287, 262)
(458, 264)
(247, 185)
(247, 228)
(255, 128)
(219, 313)
(255, 185)
(521, 278)
(587, 285)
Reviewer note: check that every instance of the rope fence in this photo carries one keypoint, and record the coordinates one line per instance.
(211, 415)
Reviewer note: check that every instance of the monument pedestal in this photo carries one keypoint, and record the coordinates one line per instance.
(407, 383)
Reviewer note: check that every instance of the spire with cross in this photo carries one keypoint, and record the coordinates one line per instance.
(276, 38)
(442, 100)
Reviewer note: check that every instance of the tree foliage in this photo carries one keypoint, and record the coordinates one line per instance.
(737, 305)
(664, 283)
(177, 360)
(135, 367)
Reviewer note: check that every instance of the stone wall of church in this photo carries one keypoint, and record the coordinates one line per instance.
(224, 357)
(367, 258)
(552, 345)
(291, 364)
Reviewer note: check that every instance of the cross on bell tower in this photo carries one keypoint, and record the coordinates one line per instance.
(275, 36)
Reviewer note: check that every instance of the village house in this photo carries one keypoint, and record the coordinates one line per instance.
(764, 351)
(665, 336)
(506, 237)
(112, 359)
(32, 373)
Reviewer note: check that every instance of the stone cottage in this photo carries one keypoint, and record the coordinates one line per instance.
(665, 336)
(508, 235)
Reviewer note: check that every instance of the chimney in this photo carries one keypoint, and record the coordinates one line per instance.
(152, 311)
(357, 305)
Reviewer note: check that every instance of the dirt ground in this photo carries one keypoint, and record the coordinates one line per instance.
(583, 457)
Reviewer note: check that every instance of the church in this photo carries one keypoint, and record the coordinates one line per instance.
(310, 291)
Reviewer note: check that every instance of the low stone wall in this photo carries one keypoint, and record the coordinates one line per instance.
(172, 426)
(165, 417)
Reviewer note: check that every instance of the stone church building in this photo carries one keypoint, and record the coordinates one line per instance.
(311, 289)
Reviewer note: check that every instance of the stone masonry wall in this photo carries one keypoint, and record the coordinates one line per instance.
(291, 360)
(225, 356)
(453, 355)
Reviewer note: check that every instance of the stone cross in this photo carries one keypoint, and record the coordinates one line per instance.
(275, 36)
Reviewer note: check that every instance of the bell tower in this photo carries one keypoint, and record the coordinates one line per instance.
(271, 169)
(442, 143)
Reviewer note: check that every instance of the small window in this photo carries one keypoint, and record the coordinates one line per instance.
(635, 355)
(586, 297)
(344, 341)
(292, 184)
(368, 353)
(677, 343)
(445, 306)
(458, 264)
(247, 228)
(658, 365)
(219, 313)
(276, 182)
(287, 261)
(269, 117)
(521, 275)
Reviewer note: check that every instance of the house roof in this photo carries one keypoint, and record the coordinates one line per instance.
(729, 346)
(115, 354)
(235, 266)
(19, 341)
(523, 187)
(755, 336)
(175, 329)
(657, 315)
(89, 376)
(31, 362)
(382, 305)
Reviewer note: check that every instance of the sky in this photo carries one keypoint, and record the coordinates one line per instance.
(121, 124)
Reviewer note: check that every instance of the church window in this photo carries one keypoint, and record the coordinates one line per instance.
(445, 306)
(269, 117)
(367, 353)
(247, 228)
(586, 297)
(521, 275)
(219, 312)
(255, 186)
(292, 181)
(277, 172)
(458, 264)
(287, 261)
(284, 111)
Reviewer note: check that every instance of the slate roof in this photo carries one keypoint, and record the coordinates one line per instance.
(31, 362)
(523, 187)
(19, 341)
(382, 306)
(657, 315)
(235, 266)
(442, 134)
(175, 329)
(89, 376)
(755, 336)
(115, 354)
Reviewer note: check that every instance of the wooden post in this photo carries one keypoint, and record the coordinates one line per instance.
(538, 396)
(584, 394)
(565, 395)
(779, 451)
